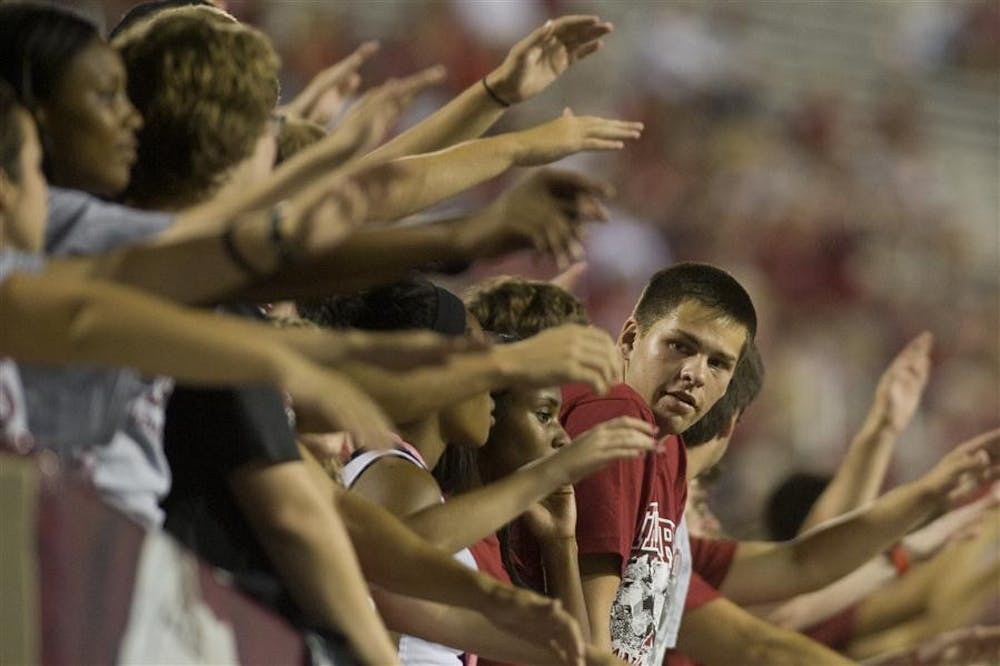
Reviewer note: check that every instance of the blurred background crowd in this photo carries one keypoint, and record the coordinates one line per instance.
(840, 158)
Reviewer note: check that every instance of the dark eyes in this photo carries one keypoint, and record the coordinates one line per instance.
(680, 347)
(544, 416)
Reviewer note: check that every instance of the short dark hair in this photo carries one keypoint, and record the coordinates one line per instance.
(410, 304)
(708, 285)
(11, 136)
(518, 308)
(748, 378)
(790, 504)
(37, 44)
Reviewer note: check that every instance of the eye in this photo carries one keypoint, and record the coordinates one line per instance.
(544, 416)
(719, 364)
(679, 347)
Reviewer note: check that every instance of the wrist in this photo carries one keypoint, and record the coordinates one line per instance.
(497, 82)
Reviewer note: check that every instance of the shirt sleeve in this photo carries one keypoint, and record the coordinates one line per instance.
(700, 592)
(81, 224)
(711, 559)
(607, 501)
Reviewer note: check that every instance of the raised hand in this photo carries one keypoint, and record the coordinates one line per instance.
(569, 134)
(903, 382)
(540, 58)
(554, 518)
(538, 619)
(545, 211)
(568, 353)
(378, 110)
(964, 469)
(622, 437)
(327, 92)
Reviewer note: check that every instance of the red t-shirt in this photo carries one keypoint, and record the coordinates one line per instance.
(631, 508)
(710, 562)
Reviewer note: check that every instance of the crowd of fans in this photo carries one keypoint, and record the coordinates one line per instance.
(234, 311)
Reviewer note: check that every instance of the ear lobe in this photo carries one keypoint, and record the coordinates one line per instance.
(626, 339)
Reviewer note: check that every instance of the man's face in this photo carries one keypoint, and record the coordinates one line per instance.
(682, 364)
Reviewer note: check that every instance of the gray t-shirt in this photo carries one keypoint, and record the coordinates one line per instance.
(110, 421)
(82, 224)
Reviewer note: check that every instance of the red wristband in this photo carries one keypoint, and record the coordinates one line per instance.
(900, 559)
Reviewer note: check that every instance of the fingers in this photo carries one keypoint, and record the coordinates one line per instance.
(570, 277)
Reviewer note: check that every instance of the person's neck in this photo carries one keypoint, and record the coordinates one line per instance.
(425, 437)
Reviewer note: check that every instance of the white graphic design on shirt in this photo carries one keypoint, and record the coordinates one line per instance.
(649, 581)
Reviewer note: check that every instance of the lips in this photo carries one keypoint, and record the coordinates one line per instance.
(680, 401)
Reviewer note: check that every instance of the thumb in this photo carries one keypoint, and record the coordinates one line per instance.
(567, 112)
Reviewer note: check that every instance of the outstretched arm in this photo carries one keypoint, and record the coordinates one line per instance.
(48, 319)
(471, 516)
(720, 633)
(809, 609)
(860, 476)
(770, 571)
(530, 67)
(567, 353)
(421, 181)
(420, 570)
(544, 211)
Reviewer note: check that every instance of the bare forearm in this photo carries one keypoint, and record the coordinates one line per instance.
(471, 516)
(458, 628)
(465, 117)
(365, 259)
(417, 569)
(311, 551)
(418, 182)
(560, 561)
(720, 633)
(860, 476)
(46, 320)
(810, 609)
(809, 562)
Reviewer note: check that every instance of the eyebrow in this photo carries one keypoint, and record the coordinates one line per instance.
(701, 344)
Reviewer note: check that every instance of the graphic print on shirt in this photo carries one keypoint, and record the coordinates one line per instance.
(649, 580)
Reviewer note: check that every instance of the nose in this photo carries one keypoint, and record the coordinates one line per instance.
(560, 440)
(694, 370)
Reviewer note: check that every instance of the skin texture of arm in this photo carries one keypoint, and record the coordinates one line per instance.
(563, 354)
(420, 181)
(530, 67)
(309, 547)
(721, 633)
(420, 570)
(809, 609)
(50, 319)
(860, 476)
(600, 576)
(465, 629)
(473, 515)
(544, 211)
(948, 592)
(768, 571)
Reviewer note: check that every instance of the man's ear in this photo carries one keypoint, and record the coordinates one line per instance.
(626, 339)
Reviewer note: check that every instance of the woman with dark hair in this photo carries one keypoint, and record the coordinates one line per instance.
(73, 84)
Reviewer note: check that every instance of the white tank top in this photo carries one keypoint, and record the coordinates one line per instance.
(412, 651)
